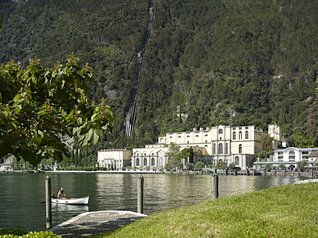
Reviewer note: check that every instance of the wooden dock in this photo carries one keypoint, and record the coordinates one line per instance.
(90, 223)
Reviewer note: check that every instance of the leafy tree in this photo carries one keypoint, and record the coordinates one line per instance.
(301, 165)
(231, 166)
(300, 139)
(262, 155)
(43, 111)
(174, 159)
(267, 147)
(187, 153)
(282, 166)
(199, 165)
(221, 165)
(268, 167)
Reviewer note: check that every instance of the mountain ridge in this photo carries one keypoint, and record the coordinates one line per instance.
(206, 63)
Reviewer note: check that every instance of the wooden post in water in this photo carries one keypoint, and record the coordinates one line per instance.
(48, 207)
(140, 195)
(312, 173)
(215, 186)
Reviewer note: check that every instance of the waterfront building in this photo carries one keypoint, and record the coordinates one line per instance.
(150, 157)
(231, 144)
(114, 159)
(290, 156)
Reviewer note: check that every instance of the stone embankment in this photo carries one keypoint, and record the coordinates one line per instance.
(90, 223)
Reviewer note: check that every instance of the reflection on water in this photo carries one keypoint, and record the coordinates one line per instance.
(22, 195)
(57, 207)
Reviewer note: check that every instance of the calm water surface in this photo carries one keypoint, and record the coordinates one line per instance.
(22, 195)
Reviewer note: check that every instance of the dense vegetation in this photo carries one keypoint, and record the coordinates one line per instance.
(45, 113)
(206, 63)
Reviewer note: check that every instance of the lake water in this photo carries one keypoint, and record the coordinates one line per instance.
(22, 194)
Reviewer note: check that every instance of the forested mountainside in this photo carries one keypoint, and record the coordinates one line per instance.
(208, 62)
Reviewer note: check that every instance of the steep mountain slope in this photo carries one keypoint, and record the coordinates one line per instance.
(206, 62)
(231, 62)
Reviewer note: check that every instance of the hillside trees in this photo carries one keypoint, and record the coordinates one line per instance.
(206, 63)
(43, 109)
(246, 63)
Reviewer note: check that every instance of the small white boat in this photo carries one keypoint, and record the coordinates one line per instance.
(71, 201)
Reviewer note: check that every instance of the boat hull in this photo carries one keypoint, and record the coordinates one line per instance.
(71, 201)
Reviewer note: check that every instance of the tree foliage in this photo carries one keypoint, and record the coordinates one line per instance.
(43, 109)
(174, 157)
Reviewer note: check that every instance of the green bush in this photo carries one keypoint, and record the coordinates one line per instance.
(40, 234)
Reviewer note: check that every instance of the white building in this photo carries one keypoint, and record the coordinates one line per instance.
(231, 144)
(290, 156)
(275, 132)
(152, 156)
(115, 159)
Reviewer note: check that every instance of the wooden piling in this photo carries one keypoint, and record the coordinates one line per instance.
(215, 186)
(48, 207)
(140, 194)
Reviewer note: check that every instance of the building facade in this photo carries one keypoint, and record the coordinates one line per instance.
(115, 159)
(231, 144)
(151, 157)
(290, 156)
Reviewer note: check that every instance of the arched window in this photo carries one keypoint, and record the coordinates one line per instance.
(237, 160)
(145, 161)
(246, 135)
(137, 162)
(220, 148)
(240, 148)
(213, 148)
(240, 135)
(291, 155)
(234, 135)
(220, 131)
(226, 148)
(152, 161)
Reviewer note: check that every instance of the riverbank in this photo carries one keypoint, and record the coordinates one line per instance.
(284, 211)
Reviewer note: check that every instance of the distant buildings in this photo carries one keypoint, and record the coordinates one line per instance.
(115, 159)
(152, 156)
(290, 156)
(230, 144)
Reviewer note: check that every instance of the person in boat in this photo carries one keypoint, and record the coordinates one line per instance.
(61, 193)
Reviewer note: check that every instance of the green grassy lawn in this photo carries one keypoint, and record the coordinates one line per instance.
(286, 211)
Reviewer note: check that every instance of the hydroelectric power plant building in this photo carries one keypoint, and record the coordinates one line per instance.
(231, 144)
